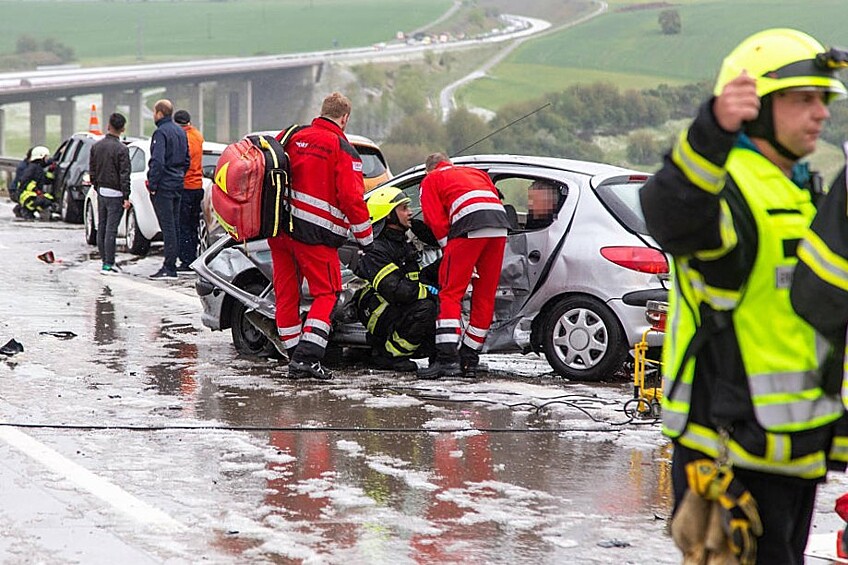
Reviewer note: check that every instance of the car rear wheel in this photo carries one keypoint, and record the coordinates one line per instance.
(137, 244)
(90, 230)
(71, 210)
(246, 338)
(583, 339)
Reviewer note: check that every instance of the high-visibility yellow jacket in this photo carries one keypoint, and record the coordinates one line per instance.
(736, 354)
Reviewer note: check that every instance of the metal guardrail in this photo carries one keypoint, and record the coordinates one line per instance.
(7, 171)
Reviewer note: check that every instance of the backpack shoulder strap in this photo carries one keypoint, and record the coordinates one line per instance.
(284, 136)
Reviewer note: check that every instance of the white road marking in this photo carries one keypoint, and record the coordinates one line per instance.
(110, 493)
(139, 282)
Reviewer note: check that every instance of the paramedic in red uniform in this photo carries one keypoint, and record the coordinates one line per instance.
(326, 202)
(462, 208)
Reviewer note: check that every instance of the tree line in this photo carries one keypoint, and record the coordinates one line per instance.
(568, 124)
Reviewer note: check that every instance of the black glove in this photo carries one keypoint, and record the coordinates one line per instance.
(366, 248)
(422, 231)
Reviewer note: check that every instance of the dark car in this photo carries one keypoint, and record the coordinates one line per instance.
(71, 178)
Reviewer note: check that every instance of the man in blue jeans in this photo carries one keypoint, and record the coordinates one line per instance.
(169, 161)
(109, 166)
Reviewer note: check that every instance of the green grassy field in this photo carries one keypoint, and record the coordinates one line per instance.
(628, 49)
(106, 32)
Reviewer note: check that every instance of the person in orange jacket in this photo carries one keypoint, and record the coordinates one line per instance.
(462, 207)
(192, 196)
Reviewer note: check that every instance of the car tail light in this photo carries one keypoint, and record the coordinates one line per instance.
(656, 313)
(641, 259)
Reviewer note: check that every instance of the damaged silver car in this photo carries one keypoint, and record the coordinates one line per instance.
(578, 269)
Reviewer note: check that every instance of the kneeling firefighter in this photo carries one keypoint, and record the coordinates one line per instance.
(751, 391)
(33, 196)
(398, 306)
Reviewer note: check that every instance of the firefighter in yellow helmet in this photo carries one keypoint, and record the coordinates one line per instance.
(754, 419)
(35, 185)
(398, 306)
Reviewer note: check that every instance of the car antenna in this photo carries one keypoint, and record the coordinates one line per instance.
(527, 115)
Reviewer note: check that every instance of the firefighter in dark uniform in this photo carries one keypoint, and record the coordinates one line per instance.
(398, 306)
(820, 284)
(33, 184)
(755, 420)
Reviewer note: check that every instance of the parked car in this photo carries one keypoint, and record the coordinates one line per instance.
(139, 225)
(71, 179)
(574, 288)
(375, 171)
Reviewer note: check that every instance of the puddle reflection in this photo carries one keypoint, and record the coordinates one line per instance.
(476, 493)
(106, 332)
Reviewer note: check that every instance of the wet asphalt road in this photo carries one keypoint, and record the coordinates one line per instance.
(145, 438)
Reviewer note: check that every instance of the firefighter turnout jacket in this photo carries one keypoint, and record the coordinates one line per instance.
(34, 183)
(392, 271)
(326, 199)
(737, 357)
(457, 200)
(820, 285)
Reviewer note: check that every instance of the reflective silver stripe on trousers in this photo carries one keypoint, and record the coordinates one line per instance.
(283, 332)
(447, 338)
(316, 323)
(314, 338)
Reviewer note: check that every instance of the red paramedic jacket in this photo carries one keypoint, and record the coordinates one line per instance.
(327, 187)
(456, 200)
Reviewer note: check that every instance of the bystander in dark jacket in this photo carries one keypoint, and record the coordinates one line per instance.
(169, 161)
(109, 167)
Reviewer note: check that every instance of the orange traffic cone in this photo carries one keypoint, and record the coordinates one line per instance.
(93, 122)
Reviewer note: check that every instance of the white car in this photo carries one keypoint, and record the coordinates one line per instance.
(139, 225)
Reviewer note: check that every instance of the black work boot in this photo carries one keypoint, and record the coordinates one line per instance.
(267, 327)
(468, 362)
(308, 370)
(439, 369)
(399, 364)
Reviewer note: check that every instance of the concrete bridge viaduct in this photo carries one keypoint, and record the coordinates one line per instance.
(250, 93)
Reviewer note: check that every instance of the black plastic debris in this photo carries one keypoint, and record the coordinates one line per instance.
(61, 334)
(613, 543)
(12, 347)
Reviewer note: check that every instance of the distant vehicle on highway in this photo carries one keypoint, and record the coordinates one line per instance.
(139, 225)
(574, 283)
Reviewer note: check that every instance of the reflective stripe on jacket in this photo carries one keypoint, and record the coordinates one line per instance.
(327, 195)
(456, 200)
(780, 358)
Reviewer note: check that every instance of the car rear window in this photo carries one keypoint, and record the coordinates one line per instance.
(372, 162)
(622, 199)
